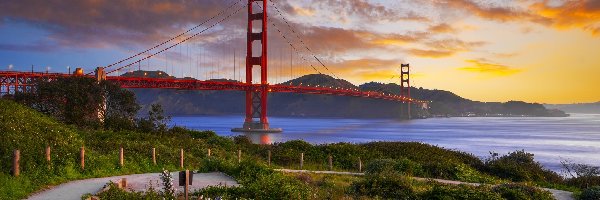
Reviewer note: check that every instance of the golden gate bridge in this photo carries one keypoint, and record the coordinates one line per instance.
(256, 93)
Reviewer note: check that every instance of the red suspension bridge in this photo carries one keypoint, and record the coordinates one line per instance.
(256, 93)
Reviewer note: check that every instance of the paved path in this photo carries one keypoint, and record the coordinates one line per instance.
(558, 194)
(137, 182)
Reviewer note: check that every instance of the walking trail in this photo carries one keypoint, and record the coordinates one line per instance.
(141, 182)
(137, 182)
(558, 194)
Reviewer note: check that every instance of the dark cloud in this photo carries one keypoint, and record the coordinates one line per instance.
(108, 22)
(36, 47)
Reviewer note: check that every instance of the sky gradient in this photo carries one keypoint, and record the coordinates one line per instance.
(545, 51)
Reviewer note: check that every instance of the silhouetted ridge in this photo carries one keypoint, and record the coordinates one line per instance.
(320, 80)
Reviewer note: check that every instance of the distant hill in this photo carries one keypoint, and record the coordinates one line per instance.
(444, 103)
(586, 108)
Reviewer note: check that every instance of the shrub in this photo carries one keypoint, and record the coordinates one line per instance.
(592, 193)
(385, 166)
(460, 192)
(520, 166)
(522, 192)
(386, 187)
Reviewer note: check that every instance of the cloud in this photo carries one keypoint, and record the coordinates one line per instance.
(36, 47)
(483, 66)
(442, 28)
(366, 11)
(582, 14)
(490, 11)
(444, 48)
(428, 53)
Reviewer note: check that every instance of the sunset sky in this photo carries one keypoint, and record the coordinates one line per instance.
(545, 51)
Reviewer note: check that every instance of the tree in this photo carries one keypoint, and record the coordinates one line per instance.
(156, 121)
(82, 101)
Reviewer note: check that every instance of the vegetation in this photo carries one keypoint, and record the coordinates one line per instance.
(389, 166)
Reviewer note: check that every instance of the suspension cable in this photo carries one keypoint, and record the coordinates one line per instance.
(173, 38)
(301, 41)
(180, 42)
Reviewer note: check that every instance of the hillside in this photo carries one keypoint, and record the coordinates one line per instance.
(444, 103)
(586, 108)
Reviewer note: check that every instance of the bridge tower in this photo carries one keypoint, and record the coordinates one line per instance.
(256, 94)
(405, 90)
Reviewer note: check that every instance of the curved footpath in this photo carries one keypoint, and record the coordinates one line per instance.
(137, 182)
(558, 194)
(141, 182)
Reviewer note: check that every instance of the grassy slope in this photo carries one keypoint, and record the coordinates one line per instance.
(30, 131)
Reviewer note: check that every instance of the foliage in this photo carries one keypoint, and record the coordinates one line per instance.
(259, 182)
(78, 100)
(581, 175)
(592, 193)
(115, 193)
(168, 191)
(460, 192)
(520, 166)
(155, 122)
(391, 186)
(522, 192)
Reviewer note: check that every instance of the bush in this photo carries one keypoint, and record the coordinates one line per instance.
(460, 192)
(401, 166)
(592, 193)
(520, 166)
(516, 191)
(386, 187)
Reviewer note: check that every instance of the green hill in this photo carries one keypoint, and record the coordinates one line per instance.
(444, 103)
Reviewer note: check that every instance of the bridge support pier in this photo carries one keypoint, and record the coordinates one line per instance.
(256, 94)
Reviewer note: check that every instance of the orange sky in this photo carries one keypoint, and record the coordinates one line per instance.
(488, 50)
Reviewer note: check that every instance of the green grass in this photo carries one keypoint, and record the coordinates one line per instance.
(29, 131)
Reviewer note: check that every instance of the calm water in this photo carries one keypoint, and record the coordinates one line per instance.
(576, 138)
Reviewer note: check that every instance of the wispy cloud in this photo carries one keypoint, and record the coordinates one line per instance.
(483, 66)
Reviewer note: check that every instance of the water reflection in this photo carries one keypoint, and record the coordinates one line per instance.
(261, 138)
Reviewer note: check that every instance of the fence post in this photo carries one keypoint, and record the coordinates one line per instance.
(82, 157)
(181, 159)
(48, 154)
(301, 160)
(330, 163)
(269, 158)
(16, 159)
(359, 165)
(154, 155)
(239, 155)
(209, 152)
(121, 159)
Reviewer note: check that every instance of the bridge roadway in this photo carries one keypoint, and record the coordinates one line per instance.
(11, 80)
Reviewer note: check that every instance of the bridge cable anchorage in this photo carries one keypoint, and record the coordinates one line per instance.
(180, 42)
(173, 38)
(300, 39)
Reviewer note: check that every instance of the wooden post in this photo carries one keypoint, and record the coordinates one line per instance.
(181, 159)
(16, 159)
(121, 159)
(187, 181)
(330, 163)
(209, 152)
(82, 157)
(154, 155)
(239, 156)
(301, 160)
(359, 165)
(48, 154)
(269, 158)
